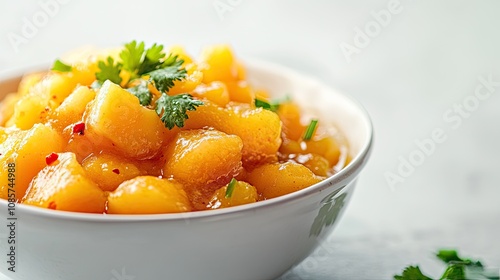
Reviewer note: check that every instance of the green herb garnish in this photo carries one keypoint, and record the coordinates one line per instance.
(458, 269)
(61, 66)
(147, 67)
(272, 105)
(412, 272)
(262, 104)
(142, 92)
(310, 130)
(139, 61)
(173, 109)
(230, 188)
(164, 78)
(109, 71)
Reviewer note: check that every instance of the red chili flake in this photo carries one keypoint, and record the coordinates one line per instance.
(116, 170)
(51, 158)
(52, 205)
(79, 128)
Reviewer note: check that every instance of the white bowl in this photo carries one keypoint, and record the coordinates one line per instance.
(255, 241)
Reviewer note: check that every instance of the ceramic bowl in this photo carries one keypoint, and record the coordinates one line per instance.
(256, 241)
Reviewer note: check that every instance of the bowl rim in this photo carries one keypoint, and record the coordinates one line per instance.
(339, 179)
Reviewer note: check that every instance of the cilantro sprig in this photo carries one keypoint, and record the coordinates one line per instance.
(458, 269)
(109, 71)
(142, 92)
(173, 109)
(413, 273)
(164, 78)
(139, 61)
(61, 66)
(146, 68)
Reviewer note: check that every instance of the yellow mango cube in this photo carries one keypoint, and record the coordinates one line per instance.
(63, 185)
(27, 150)
(135, 131)
(277, 179)
(148, 195)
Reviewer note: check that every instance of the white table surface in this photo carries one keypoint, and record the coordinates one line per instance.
(427, 59)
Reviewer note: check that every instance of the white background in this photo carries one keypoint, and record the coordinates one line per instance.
(427, 58)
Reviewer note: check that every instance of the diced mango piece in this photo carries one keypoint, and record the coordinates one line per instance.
(63, 185)
(259, 129)
(148, 195)
(277, 179)
(324, 146)
(28, 81)
(135, 131)
(73, 107)
(7, 107)
(30, 109)
(242, 73)
(202, 160)
(290, 115)
(152, 167)
(316, 163)
(218, 64)
(214, 91)
(240, 91)
(60, 85)
(86, 144)
(262, 94)
(27, 149)
(243, 193)
(109, 171)
(47, 94)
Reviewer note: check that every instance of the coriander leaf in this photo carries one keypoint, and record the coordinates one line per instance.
(448, 255)
(132, 56)
(152, 59)
(262, 104)
(460, 268)
(412, 273)
(164, 78)
(142, 92)
(61, 67)
(310, 130)
(230, 188)
(173, 109)
(451, 256)
(170, 60)
(454, 272)
(109, 71)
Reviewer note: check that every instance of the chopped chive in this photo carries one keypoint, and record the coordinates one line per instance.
(262, 104)
(61, 66)
(272, 106)
(310, 130)
(230, 188)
